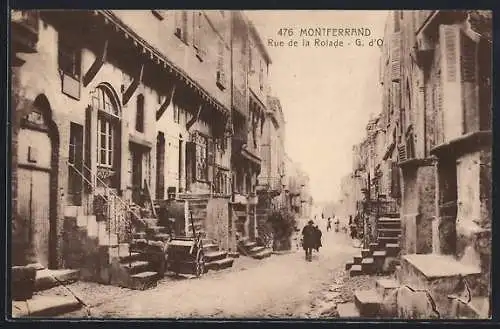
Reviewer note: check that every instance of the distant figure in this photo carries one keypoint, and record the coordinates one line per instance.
(308, 239)
(337, 224)
(318, 235)
(329, 224)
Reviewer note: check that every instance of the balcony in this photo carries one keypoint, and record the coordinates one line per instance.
(270, 185)
(24, 25)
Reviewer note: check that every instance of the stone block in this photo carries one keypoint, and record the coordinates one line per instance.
(367, 302)
(347, 310)
(439, 275)
(415, 304)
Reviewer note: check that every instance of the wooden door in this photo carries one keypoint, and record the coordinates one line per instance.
(136, 175)
(75, 172)
(34, 205)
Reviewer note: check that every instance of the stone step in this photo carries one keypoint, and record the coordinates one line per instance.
(215, 256)
(347, 310)
(46, 279)
(45, 306)
(150, 221)
(256, 249)
(140, 235)
(220, 264)
(210, 247)
(137, 266)
(365, 253)
(367, 265)
(155, 229)
(379, 253)
(389, 232)
(262, 254)
(355, 270)
(233, 254)
(384, 240)
(131, 257)
(249, 245)
(348, 265)
(373, 246)
(384, 286)
(357, 260)
(73, 211)
(143, 280)
(161, 237)
(367, 302)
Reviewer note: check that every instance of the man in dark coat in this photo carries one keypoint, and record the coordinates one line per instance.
(308, 241)
(318, 234)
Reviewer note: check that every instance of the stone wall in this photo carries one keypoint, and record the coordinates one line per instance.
(216, 224)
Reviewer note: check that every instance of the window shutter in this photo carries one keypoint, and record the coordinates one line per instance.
(396, 56)
(469, 71)
(221, 75)
(211, 159)
(191, 160)
(196, 29)
(449, 36)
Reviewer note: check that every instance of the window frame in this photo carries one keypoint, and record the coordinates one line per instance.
(69, 55)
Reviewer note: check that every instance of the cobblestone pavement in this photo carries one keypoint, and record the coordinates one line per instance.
(282, 286)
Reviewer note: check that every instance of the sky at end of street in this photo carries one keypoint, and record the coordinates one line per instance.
(327, 94)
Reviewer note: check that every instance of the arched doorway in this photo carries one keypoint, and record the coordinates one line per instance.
(37, 182)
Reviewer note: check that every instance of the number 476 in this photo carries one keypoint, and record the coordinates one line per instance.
(284, 32)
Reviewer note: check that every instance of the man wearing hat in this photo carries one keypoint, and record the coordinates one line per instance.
(308, 241)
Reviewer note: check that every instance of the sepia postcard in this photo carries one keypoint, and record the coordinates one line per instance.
(251, 164)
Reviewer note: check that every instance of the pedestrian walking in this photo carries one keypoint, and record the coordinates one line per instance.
(318, 235)
(329, 224)
(308, 239)
(337, 224)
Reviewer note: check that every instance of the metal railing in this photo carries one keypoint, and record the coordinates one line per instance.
(119, 215)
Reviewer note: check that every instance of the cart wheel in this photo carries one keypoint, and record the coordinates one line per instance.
(200, 264)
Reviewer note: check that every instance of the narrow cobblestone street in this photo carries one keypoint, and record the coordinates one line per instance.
(280, 286)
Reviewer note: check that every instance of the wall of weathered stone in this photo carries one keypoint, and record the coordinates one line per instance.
(216, 223)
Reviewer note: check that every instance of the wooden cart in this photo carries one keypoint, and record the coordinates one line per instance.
(185, 255)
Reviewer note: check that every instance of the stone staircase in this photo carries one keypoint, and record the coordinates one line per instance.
(90, 247)
(216, 259)
(381, 256)
(429, 292)
(252, 249)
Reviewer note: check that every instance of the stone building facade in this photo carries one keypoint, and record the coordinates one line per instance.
(250, 63)
(137, 107)
(440, 62)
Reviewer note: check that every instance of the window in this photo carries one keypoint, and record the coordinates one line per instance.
(201, 157)
(105, 143)
(177, 113)
(139, 117)
(107, 127)
(198, 39)
(69, 58)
